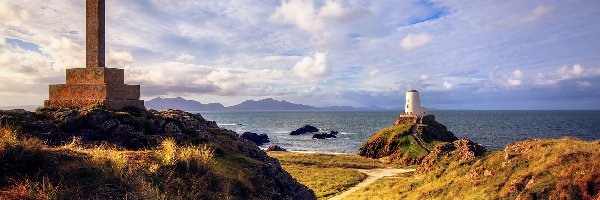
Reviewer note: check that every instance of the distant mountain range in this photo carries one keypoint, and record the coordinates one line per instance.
(268, 104)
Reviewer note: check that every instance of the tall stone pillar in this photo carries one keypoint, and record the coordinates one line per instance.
(95, 33)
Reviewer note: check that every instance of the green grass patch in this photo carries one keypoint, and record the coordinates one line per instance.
(328, 160)
(327, 174)
(325, 182)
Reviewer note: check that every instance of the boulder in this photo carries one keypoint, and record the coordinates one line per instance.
(258, 139)
(330, 135)
(275, 147)
(462, 150)
(305, 129)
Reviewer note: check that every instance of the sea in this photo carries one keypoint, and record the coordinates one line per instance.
(492, 129)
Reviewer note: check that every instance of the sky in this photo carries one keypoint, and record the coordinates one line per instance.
(490, 55)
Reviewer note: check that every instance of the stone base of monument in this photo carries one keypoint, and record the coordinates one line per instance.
(95, 86)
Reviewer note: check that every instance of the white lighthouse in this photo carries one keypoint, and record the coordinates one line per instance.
(413, 104)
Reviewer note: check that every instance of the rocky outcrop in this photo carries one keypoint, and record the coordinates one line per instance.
(532, 169)
(258, 139)
(330, 135)
(131, 129)
(431, 131)
(275, 147)
(407, 141)
(405, 119)
(305, 129)
(134, 129)
(460, 150)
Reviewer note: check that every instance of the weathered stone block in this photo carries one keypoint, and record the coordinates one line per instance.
(94, 91)
(91, 86)
(107, 103)
(96, 75)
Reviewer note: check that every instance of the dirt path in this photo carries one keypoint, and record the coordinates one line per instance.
(372, 176)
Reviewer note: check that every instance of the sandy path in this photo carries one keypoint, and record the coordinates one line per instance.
(372, 176)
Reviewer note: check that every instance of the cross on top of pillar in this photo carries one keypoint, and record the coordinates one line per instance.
(95, 33)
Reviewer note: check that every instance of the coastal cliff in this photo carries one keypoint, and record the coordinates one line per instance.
(407, 141)
(93, 153)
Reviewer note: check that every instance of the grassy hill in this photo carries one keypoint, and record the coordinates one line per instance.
(535, 169)
(133, 154)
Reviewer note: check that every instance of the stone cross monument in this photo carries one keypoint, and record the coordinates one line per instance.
(95, 33)
(95, 84)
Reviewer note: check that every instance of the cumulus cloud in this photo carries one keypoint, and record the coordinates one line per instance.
(537, 13)
(180, 79)
(322, 23)
(11, 14)
(566, 72)
(312, 67)
(447, 85)
(183, 57)
(65, 52)
(333, 8)
(373, 72)
(515, 78)
(300, 13)
(119, 59)
(280, 58)
(412, 41)
(561, 74)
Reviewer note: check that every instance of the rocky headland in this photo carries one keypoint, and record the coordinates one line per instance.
(407, 141)
(533, 169)
(93, 153)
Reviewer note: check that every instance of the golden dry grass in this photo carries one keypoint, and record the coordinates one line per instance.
(35, 171)
(7, 136)
(326, 174)
(542, 169)
(329, 160)
(325, 182)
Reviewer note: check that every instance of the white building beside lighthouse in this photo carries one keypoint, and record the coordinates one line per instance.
(413, 104)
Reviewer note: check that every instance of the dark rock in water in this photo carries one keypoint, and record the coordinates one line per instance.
(460, 150)
(258, 139)
(275, 147)
(305, 129)
(332, 134)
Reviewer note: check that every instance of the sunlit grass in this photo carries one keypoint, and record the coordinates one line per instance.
(195, 155)
(325, 182)
(563, 169)
(329, 160)
(326, 174)
(73, 171)
(27, 189)
(166, 151)
(7, 136)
